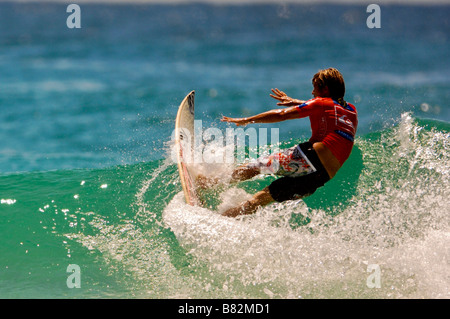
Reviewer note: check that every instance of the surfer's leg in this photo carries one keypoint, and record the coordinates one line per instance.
(263, 165)
(244, 172)
(261, 198)
(241, 173)
(281, 163)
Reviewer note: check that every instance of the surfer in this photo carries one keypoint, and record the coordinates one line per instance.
(307, 166)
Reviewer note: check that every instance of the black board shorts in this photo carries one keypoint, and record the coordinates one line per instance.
(295, 187)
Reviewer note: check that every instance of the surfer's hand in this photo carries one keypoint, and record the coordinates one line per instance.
(284, 99)
(237, 121)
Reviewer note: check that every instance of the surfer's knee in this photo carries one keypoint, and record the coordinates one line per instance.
(244, 172)
(263, 197)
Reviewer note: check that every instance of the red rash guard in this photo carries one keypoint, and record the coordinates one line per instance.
(332, 124)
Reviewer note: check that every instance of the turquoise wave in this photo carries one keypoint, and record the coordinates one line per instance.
(130, 232)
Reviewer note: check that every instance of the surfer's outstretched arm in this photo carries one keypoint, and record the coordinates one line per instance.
(272, 116)
(285, 100)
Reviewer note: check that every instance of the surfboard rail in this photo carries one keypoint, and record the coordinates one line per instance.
(184, 143)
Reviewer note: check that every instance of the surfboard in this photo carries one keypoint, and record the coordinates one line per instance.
(184, 143)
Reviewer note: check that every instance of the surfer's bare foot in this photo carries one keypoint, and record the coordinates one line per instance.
(206, 182)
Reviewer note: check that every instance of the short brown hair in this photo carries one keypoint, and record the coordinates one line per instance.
(332, 79)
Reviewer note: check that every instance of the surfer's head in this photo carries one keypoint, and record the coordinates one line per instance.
(328, 83)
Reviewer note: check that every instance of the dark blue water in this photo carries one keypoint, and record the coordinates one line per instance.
(86, 117)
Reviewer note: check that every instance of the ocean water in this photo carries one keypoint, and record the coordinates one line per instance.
(86, 176)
